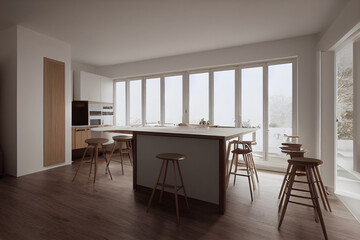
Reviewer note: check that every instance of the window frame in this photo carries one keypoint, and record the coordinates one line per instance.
(186, 91)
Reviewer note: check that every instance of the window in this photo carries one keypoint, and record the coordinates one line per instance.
(252, 103)
(173, 100)
(120, 111)
(198, 97)
(279, 105)
(224, 98)
(135, 102)
(153, 101)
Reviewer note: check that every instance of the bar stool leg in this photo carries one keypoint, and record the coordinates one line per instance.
(91, 161)
(288, 192)
(323, 188)
(96, 159)
(82, 159)
(253, 163)
(250, 167)
(182, 183)
(164, 179)
(231, 165)
(249, 175)
(286, 187)
(227, 156)
(308, 173)
(106, 162)
(283, 183)
(121, 158)
(128, 143)
(154, 189)
(318, 186)
(112, 151)
(176, 192)
(316, 201)
(236, 167)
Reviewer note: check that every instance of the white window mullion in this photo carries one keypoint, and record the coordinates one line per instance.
(211, 97)
(238, 105)
(294, 99)
(127, 92)
(143, 101)
(186, 98)
(162, 101)
(265, 111)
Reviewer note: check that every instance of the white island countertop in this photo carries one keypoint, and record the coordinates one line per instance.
(207, 132)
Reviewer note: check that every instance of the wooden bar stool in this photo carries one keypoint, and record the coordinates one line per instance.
(246, 153)
(245, 145)
(94, 144)
(119, 142)
(318, 180)
(308, 165)
(166, 157)
(292, 154)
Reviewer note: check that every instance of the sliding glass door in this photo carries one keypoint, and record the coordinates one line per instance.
(267, 93)
(280, 112)
(252, 105)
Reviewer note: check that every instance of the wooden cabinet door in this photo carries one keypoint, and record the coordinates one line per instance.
(80, 135)
(54, 112)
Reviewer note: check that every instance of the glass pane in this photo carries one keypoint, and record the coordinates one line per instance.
(348, 179)
(120, 88)
(135, 102)
(224, 98)
(153, 101)
(173, 100)
(280, 107)
(252, 105)
(198, 97)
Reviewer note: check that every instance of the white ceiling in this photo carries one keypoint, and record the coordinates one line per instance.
(104, 32)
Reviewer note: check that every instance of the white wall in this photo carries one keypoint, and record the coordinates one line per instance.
(8, 100)
(346, 23)
(304, 48)
(328, 127)
(32, 48)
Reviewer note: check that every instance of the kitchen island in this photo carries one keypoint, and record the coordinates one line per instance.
(205, 168)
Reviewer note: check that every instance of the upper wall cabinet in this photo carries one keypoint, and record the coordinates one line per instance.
(92, 87)
(106, 86)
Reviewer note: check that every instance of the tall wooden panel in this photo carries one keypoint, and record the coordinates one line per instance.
(54, 112)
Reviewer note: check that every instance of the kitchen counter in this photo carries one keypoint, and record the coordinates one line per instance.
(199, 131)
(205, 169)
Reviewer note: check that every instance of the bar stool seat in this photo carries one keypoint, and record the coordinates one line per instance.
(122, 138)
(171, 156)
(292, 145)
(241, 151)
(94, 144)
(167, 157)
(96, 141)
(307, 161)
(309, 164)
(119, 142)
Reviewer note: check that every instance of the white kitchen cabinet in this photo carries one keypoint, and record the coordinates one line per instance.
(107, 93)
(92, 87)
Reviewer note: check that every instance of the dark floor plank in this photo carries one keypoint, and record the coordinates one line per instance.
(47, 205)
